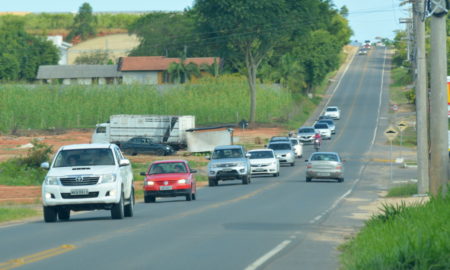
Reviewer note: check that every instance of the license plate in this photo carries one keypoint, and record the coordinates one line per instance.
(323, 174)
(165, 188)
(258, 170)
(79, 192)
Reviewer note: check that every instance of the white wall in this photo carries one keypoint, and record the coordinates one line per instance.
(140, 77)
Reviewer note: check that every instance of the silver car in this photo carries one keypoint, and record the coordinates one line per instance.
(325, 165)
(306, 134)
(264, 161)
(330, 123)
(283, 151)
(229, 162)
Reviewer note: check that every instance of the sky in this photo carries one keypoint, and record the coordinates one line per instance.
(368, 19)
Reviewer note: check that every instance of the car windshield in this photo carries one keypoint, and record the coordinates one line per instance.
(324, 157)
(294, 142)
(169, 167)
(279, 139)
(331, 109)
(261, 154)
(321, 126)
(329, 122)
(306, 130)
(227, 153)
(279, 146)
(84, 157)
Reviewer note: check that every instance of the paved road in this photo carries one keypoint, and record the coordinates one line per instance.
(273, 223)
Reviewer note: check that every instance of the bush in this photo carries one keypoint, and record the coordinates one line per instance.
(411, 96)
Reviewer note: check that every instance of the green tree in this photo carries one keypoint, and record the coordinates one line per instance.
(22, 53)
(98, 57)
(84, 23)
(247, 32)
(182, 72)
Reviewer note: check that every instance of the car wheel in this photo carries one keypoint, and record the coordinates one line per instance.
(129, 208)
(161, 152)
(308, 179)
(49, 214)
(194, 196)
(64, 214)
(212, 182)
(340, 180)
(189, 196)
(276, 174)
(149, 199)
(245, 180)
(292, 164)
(117, 211)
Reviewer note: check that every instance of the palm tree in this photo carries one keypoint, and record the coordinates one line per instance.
(182, 72)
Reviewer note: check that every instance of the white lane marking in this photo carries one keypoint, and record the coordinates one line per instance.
(339, 82)
(379, 101)
(335, 204)
(268, 255)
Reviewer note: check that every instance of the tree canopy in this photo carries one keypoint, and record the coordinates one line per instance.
(84, 23)
(22, 53)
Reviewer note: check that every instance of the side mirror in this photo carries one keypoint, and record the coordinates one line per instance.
(124, 162)
(247, 155)
(208, 157)
(265, 145)
(45, 165)
(143, 173)
(193, 171)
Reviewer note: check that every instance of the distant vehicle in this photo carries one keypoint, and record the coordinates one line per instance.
(333, 112)
(88, 177)
(324, 117)
(169, 178)
(279, 138)
(143, 145)
(166, 129)
(229, 162)
(283, 151)
(324, 130)
(306, 134)
(298, 147)
(264, 161)
(330, 123)
(325, 165)
(363, 52)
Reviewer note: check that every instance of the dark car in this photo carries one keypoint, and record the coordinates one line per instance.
(143, 145)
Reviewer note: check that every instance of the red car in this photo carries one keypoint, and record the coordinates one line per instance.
(169, 178)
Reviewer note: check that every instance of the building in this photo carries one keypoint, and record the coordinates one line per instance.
(153, 69)
(79, 74)
(62, 46)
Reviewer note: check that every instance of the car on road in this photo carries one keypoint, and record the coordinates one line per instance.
(87, 177)
(362, 51)
(264, 161)
(325, 165)
(330, 123)
(283, 151)
(144, 145)
(229, 162)
(169, 178)
(298, 147)
(333, 111)
(279, 138)
(306, 134)
(324, 130)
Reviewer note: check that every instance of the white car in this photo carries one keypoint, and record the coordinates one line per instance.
(333, 112)
(264, 161)
(298, 147)
(88, 177)
(323, 129)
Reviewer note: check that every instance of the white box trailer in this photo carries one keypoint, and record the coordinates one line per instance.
(206, 139)
(168, 129)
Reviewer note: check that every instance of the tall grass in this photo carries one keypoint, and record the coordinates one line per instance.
(223, 100)
(413, 237)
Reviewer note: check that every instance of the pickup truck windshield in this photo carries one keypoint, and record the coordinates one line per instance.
(227, 153)
(84, 157)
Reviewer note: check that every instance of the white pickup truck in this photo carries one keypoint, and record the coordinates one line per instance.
(88, 177)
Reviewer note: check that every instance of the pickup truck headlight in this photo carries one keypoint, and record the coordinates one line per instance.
(51, 180)
(240, 164)
(214, 165)
(108, 178)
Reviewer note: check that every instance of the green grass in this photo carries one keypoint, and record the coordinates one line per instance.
(405, 190)
(212, 101)
(13, 213)
(403, 237)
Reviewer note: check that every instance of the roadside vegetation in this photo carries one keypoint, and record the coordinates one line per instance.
(404, 190)
(15, 213)
(403, 237)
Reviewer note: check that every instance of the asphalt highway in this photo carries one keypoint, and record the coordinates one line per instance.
(272, 223)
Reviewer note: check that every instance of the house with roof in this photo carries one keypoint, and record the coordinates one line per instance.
(154, 69)
(79, 74)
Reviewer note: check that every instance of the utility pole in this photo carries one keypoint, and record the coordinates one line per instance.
(438, 107)
(421, 98)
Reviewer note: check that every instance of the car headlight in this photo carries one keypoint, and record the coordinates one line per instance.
(288, 154)
(182, 181)
(214, 165)
(149, 183)
(108, 178)
(167, 147)
(240, 164)
(51, 180)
